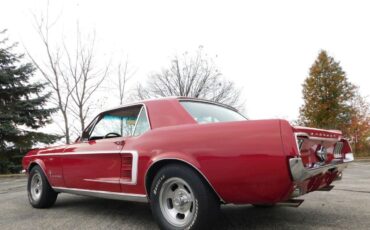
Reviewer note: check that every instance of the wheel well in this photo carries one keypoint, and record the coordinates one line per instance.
(33, 164)
(162, 163)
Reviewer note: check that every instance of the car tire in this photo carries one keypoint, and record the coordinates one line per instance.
(40, 193)
(181, 199)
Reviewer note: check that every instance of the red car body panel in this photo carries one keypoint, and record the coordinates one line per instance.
(243, 161)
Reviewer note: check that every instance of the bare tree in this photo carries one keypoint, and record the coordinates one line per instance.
(71, 72)
(191, 76)
(86, 77)
(50, 70)
(124, 75)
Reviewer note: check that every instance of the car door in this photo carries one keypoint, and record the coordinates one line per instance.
(95, 162)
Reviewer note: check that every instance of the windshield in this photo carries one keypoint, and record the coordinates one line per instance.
(210, 113)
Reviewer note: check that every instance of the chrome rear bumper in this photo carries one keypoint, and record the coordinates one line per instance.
(300, 173)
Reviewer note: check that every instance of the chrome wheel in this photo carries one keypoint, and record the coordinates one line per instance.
(36, 186)
(176, 200)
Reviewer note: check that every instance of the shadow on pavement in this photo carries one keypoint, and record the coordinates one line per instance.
(232, 216)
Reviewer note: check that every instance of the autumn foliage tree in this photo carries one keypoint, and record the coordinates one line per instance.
(359, 129)
(332, 102)
(327, 95)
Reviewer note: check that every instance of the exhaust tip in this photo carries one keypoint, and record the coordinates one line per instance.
(295, 203)
(297, 192)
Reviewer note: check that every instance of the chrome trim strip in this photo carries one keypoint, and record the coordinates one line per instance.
(104, 194)
(80, 153)
(173, 97)
(146, 174)
(206, 101)
(134, 153)
(316, 138)
(104, 180)
(316, 129)
(300, 173)
(135, 161)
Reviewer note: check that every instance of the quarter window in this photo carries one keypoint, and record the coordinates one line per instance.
(142, 123)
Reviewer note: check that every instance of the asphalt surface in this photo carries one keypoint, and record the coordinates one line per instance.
(347, 206)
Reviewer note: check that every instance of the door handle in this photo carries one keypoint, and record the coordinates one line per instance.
(120, 143)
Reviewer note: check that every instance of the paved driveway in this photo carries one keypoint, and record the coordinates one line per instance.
(347, 206)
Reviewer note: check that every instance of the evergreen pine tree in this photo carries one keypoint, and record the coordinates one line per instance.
(22, 108)
(327, 95)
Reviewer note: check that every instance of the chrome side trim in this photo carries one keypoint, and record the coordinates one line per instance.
(300, 173)
(105, 180)
(104, 194)
(321, 130)
(135, 161)
(208, 102)
(316, 138)
(80, 153)
(177, 159)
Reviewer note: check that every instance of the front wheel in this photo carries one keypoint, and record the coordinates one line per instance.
(180, 199)
(40, 193)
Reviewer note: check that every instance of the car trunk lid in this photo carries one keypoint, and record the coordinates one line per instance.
(318, 147)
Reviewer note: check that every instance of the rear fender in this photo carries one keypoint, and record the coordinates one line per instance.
(182, 158)
(174, 156)
(289, 142)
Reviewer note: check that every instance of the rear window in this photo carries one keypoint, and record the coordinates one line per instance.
(210, 113)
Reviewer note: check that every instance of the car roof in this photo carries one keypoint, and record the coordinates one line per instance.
(179, 98)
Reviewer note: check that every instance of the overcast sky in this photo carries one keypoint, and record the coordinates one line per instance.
(266, 47)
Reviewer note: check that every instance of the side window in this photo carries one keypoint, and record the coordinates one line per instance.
(116, 123)
(142, 124)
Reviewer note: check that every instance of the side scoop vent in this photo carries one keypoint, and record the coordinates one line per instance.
(129, 164)
(126, 175)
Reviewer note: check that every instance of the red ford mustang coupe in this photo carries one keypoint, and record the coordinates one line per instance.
(186, 157)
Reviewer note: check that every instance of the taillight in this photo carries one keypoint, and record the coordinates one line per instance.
(300, 143)
(338, 150)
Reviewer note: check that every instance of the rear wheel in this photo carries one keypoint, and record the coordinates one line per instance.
(40, 193)
(180, 199)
